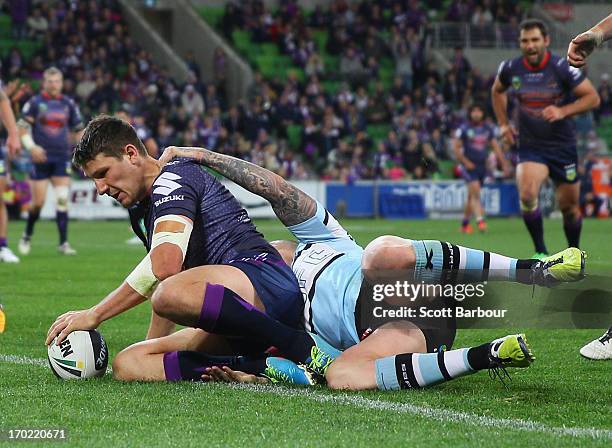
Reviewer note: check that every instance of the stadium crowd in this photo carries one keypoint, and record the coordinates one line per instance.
(417, 109)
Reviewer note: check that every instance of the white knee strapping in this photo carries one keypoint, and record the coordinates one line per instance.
(61, 198)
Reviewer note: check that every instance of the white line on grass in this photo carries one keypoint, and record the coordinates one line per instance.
(443, 415)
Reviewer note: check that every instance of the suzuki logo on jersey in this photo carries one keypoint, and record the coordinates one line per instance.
(166, 183)
(174, 197)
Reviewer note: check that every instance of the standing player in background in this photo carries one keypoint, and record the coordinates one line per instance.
(471, 142)
(50, 123)
(579, 49)
(13, 146)
(543, 85)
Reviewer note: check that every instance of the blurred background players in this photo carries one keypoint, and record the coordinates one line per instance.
(543, 84)
(470, 144)
(13, 147)
(48, 125)
(579, 50)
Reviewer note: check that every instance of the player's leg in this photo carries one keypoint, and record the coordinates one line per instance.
(477, 205)
(221, 299)
(144, 361)
(433, 261)
(394, 357)
(61, 186)
(355, 368)
(6, 255)
(39, 193)
(469, 207)
(568, 197)
(529, 178)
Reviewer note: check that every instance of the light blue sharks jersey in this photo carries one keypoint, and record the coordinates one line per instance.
(327, 264)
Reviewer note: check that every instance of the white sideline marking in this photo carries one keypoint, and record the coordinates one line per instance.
(443, 415)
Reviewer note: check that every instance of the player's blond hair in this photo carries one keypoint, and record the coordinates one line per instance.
(52, 71)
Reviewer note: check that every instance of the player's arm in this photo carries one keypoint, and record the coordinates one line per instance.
(38, 154)
(587, 99)
(583, 44)
(8, 120)
(76, 123)
(291, 205)
(499, 154)
(458, 149)
(499, 98)
(168, 248)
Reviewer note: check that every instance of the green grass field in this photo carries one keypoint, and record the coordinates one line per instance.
(562, 400)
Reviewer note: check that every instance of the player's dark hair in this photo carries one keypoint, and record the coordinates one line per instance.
(477, 106)
(529, 24)
(106, 135)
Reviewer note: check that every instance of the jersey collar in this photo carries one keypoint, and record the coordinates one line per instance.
(538, 67)
(46, 96)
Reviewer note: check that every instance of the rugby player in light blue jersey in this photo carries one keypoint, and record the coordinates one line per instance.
(330, 267)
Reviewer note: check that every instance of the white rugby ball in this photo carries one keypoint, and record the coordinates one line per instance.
(83, 354)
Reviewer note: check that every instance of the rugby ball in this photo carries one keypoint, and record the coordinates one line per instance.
(83, 354)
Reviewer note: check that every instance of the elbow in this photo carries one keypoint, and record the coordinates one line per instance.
(596, 100)
(166, 261)
(166, 269)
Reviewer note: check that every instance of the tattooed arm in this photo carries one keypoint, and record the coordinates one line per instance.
(290, 204)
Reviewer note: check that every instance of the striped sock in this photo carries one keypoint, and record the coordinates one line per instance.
(417, 370)
(446, 263)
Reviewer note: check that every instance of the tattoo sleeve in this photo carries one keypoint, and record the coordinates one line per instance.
(290, 204)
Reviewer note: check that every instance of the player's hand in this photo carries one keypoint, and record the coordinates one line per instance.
(13, 144)
(508, 133)
(226, 375)
(39, 155)
(581, 47)
(69, 322)
(169, 153)
(468, 164)
(553, 113)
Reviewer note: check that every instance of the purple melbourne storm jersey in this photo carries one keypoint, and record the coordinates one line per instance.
(222, 229)
(52, 118)
(475, 140)
(535, 88)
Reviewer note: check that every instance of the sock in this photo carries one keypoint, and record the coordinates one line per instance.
(32, 218)
(2, 242)
(446, 263)
(61, 218)
(224, 312)
(465, 222)
(479, 219)
(572, 228)
(189, 366)
(535, 226)
(417, 370)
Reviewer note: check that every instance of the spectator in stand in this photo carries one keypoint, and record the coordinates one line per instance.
(37, 24)
(351, 66)
(19, 10)
(192, 101)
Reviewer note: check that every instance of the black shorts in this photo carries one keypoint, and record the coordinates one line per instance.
(562, 163)
(275, 284)
(439, 332)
